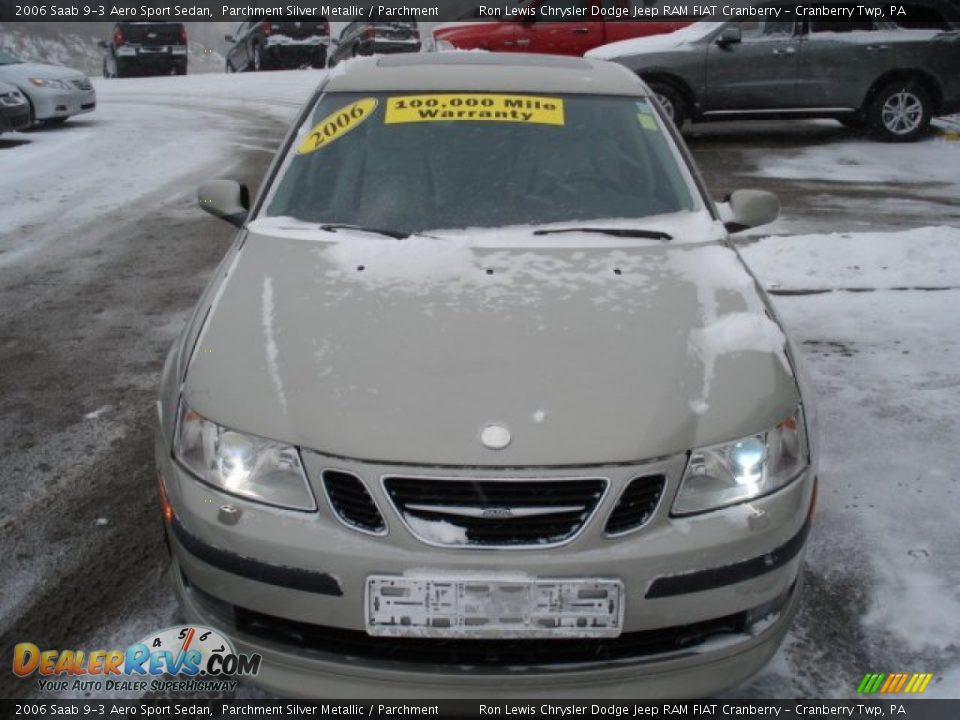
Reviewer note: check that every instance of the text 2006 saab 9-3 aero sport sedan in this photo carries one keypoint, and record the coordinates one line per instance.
(482, 400)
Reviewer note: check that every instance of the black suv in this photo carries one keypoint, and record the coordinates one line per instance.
(146, 48)
(265, 45)
(368, 38)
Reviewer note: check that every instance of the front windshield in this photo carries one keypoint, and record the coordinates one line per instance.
(8, 59)
(416, 162)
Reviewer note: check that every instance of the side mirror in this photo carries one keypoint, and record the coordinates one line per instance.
(729, 36)
(225, 199)
(228, 38)
(745, 209)
(102, 44)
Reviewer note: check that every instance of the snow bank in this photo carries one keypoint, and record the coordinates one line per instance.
(919, 257)
(934, 160)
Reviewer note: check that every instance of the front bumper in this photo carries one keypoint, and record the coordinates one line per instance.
(294, 571)
(49, 104)
(14, 117)
(294, 661)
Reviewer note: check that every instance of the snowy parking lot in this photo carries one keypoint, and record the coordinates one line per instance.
(103, 253)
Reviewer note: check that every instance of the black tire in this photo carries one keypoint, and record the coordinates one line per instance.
(181, 70)
(672, 101)
(900, 111)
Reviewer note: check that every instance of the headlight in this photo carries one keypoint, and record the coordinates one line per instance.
(44, 82)
(244, 465)
(745, 469)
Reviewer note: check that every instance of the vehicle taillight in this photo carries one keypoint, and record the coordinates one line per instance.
(183, 36)
(370, 33)
(118, 38)
(267, 28)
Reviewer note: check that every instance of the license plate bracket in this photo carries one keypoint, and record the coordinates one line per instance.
(493, 606)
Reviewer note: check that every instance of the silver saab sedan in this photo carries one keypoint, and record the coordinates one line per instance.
(483, 402)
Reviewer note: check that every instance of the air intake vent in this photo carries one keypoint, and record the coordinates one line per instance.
(636, 504)
(495, 513)
(352, 502)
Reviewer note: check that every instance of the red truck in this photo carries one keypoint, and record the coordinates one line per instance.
(556, 27)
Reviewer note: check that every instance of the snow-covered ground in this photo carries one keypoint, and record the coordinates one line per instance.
(869, 291)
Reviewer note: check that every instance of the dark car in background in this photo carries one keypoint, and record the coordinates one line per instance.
(364, 37)
(145, 48)
(877, 76)
(266, 45)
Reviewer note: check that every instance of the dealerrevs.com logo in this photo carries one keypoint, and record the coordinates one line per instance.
(198, 658)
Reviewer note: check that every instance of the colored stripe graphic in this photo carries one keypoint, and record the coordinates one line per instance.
(894, 683)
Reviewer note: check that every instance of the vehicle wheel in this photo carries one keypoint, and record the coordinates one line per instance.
(672, 101)
(900, 112)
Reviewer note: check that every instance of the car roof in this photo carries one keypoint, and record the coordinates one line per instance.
(483, 71)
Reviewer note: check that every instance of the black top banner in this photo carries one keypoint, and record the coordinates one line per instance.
(905, 12)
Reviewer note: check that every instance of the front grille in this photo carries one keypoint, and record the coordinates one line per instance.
(494, 513)
(82, 84)
(463, 655)
(636, 504)
(352, 502)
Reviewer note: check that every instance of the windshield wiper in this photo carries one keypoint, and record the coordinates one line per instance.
(616, 232)
(396, 234)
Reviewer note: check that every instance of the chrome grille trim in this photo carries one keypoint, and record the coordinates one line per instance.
(335, 511)
(577, 529)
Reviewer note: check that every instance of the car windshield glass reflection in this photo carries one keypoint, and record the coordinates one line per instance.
(412, 163)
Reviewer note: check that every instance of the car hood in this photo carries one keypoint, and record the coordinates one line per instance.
(652, 43)
(23, 71)
(402, 351)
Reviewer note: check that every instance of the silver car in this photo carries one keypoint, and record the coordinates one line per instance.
(482, 401)
(55, 93)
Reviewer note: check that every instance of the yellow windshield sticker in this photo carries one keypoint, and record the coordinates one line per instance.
(646, 121)
(645, 116)
(474, 107)
(337, 124)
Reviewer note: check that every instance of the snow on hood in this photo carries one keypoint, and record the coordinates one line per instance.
(402, 351)
(652, 43)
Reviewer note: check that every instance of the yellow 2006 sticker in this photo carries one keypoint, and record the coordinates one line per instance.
(474, 106)
(337, 124)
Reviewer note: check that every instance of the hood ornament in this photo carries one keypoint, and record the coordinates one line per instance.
(495, 437)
